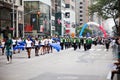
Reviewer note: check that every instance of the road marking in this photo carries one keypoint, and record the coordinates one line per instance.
(68, 78)
(98, 49)
(92, 49)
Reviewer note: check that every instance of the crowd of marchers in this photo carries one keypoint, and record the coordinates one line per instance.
(41, 45)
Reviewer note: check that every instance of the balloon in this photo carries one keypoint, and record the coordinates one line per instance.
(83, 28)
(102, 29)
(92, 23)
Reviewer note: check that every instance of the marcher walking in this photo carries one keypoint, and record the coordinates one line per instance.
(37, 43)
(8, 47)
(2, 43)
(107, 44)
(29, 44)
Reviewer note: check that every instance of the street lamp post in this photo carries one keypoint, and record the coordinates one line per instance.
(38, 13)
(13, 16)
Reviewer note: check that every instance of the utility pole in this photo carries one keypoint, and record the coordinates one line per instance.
(13, 17)
(56, 27)
(23, 32)
(17, 23)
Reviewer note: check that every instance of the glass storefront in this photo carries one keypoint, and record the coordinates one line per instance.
(5, 17)
(37, 17)
(5, 22)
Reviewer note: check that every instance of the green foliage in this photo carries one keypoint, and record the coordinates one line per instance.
(78, 29)
(105, 8)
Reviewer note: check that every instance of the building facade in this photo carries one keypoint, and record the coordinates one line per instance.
(37, 17)
(59, 17)
(82, 16)
(70, 17)
(11, 18)
(52, 17)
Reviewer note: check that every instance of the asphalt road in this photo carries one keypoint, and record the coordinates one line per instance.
(68, 64)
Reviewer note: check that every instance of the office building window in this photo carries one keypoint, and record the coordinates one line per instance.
(53, 22)
(81, 19)
(81, 23)
(72, 7)
(67, 5)
(81, 11)
(81, 15)
(81, 7)
(67, 15)
(81, 3)
(21, 2)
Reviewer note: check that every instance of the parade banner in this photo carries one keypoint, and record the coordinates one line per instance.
(56, 46)
(1, 47)
(19, 47)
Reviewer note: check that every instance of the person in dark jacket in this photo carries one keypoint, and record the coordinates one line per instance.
(8, 47)
(107, 44)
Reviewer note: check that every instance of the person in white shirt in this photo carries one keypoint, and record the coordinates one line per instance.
(37, 43)
(42, 46)
(50, 40)
(29, 44)
(45, 41)
(14, 43)
(3, 46)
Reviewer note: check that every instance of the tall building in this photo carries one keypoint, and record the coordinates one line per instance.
(37, 17)
(69, 17)
(20, 19)
(52, 17)
(11, 18)
(59, 17)
(82, 16)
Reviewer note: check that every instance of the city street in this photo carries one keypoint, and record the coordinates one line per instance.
(68, 64)
(54, 23)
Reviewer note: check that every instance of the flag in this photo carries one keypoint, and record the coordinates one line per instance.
(56, 46)
(67, 24)
(41, 28)
(67, 31)
(59, 21)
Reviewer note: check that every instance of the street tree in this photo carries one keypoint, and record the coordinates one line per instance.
(87, 30)
(107, 9)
